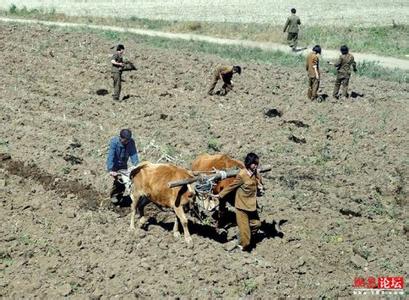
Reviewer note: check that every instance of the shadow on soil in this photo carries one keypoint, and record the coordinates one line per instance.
(267, 230)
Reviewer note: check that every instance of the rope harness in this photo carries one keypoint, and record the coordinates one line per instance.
(204, 186)
(124, 179)
(203, 189)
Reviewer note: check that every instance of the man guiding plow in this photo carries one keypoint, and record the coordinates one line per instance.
(121, 149)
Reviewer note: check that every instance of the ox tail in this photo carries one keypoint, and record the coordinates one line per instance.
(191, 193)
(138, 168)
(185, 189)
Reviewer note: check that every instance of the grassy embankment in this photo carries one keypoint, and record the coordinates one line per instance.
(383, 40)
(389, 40)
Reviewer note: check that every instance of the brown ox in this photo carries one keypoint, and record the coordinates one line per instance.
(150, 182)
(206, 162)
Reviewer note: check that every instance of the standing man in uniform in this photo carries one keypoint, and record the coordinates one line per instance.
(313, 69)
(245, 203)
(292, 24)
(343, 66)
(117, 68)
(224, 73)
(121, 148)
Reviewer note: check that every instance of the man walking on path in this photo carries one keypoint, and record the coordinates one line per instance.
(343, 65)
(292, 24)
(313, 69)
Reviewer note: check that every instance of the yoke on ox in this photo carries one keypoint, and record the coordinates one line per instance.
(150, 184)
(204, 185)
(209, 164)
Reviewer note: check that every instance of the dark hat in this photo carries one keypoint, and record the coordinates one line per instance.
(125, 134)
(317, 49)
(250, 158)
(237, 69)
(344, 49)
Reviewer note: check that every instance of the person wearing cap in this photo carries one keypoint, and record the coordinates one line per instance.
(293, 23)
(121, 148)
(343, 65)
(116, 70)
(313, 69)
(245, 186)
(224, 73)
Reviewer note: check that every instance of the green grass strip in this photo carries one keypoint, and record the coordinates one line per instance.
(240, 54)
(389, 40)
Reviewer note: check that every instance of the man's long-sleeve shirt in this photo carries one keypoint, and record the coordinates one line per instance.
(246, 191)
(344, 64)
(292, 24)
(119, 154)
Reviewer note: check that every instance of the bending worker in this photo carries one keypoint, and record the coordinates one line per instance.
(224, 73)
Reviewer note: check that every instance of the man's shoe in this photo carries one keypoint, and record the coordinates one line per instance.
(115, 98)
(320, 99)
(238, 248)
(115, 199)
(261, 232)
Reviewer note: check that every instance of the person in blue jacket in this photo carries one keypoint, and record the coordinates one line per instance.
(121, 148)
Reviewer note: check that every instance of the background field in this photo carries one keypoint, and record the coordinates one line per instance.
(385, 37)
(342, 188)
(340, 168)
(274, 12)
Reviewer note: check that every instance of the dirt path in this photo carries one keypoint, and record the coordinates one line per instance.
(387, 62)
